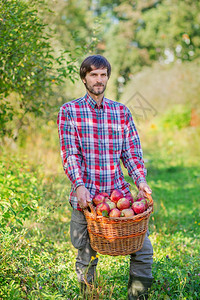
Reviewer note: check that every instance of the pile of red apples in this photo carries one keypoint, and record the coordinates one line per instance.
(117, 205)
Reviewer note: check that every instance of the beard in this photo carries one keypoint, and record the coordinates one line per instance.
(97, 89)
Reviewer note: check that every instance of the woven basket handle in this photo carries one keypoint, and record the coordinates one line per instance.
(148, 196)
(93, 211)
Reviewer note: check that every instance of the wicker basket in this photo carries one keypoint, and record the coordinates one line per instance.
(117, 236)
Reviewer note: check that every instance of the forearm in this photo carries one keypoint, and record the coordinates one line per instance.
(132, 156)
(70, 148)
(135, 168)
(72, 168)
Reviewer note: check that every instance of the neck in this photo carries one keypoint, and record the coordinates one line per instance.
(97, 98)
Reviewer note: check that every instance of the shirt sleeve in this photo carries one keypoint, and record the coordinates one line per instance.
(132, 156)
(70, 148)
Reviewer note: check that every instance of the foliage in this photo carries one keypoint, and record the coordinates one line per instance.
(178, 117)
(19, 194)
(43, 42)
(148, 31)
(170, 31)
(26, 203)
(76, 25)
(29, 67)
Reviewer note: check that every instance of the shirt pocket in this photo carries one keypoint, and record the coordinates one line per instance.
(114, 140)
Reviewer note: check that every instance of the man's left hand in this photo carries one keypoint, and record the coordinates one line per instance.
(144, 189)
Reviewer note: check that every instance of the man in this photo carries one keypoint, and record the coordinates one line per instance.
(95, 134)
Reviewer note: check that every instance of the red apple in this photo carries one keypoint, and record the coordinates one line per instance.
(123, 203)
(139, 199)
(111, 204)
(103, 209)
(138, 207)
(104, 194)
(98, 199)
(116, 195)
(130, 198)
(127, 212)
(145, 203)
(115, 213)
(143, 200)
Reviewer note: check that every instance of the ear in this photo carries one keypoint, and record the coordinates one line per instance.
(84, 81)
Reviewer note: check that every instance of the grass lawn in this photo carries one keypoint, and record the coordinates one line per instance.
(37, 258)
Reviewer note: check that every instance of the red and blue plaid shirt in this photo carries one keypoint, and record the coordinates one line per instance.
(93, 140)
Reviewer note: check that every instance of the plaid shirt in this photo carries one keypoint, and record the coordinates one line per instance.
(93, 140)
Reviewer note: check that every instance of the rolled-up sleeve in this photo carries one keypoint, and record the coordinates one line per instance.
(70, 148)
(132, 156)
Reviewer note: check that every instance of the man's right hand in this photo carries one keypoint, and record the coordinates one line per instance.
(83, 196)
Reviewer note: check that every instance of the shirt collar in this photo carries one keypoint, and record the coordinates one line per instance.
(92, 103)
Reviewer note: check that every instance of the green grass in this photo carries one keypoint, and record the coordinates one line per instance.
(37, 258)
(175, 228)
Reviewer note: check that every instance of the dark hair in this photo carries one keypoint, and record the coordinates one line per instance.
(98, 61)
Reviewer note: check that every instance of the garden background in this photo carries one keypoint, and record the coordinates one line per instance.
(153, 47)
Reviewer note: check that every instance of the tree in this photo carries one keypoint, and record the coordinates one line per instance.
(142, 32)
(29, 67)
(171, 31)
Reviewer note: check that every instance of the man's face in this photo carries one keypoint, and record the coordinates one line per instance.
(95, 81)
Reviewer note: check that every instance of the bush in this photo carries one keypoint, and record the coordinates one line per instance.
(177, 117)
(29, 66)
(19, 194)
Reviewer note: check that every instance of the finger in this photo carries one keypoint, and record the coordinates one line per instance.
(147, 190)
(82, 203)
(88, 197)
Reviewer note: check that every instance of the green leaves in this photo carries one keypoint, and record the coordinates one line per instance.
(29, 66)
(104, 213)
(19, 194)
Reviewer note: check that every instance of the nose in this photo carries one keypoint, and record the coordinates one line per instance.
(99, 78)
